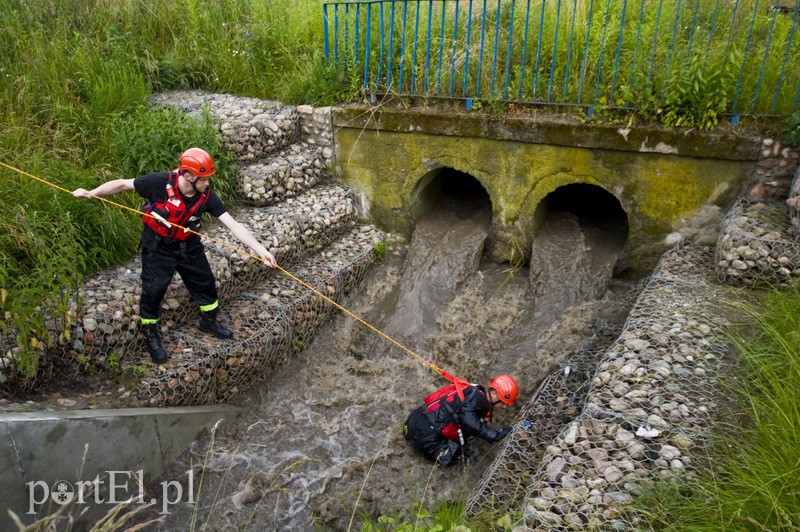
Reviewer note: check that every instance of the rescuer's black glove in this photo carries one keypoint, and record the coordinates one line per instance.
(502, 433)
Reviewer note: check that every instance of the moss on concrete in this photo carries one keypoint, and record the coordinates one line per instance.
(655, 189)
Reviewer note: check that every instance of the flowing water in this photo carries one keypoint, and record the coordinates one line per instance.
(322, 443)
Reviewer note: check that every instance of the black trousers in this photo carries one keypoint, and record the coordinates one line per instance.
(428, 440)
(160, 261)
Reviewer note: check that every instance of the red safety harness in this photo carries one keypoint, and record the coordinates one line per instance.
(174, 213)
(443, 397)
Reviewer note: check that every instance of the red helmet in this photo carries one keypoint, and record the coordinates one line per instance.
(506, 388)
(198, 162)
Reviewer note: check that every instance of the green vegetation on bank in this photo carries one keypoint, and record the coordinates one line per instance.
(753, 482)
(75, 77)
(678, 63)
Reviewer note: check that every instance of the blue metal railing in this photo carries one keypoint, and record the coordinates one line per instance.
(590, 53)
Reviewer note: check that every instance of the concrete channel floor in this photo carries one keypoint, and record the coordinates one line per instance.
(94, 458)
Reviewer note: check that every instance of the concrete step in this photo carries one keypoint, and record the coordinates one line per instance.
(249, 127)
(271, 322)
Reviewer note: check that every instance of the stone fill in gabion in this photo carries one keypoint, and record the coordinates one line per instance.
(794, 211)
(270, 323)
(107, 314)
(560, 399)
(249, 127)
(756, 246)
(286, 174)
(647, 413)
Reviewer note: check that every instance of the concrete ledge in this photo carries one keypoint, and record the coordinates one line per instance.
(552, 129)
(39, 448)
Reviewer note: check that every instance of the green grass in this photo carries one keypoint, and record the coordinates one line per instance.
(753, 482)
(679, 63)
(75, 77)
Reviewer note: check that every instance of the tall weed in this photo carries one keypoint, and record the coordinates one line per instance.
(150, 140)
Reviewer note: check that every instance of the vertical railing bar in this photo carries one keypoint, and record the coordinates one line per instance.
(466, 52)
(602, 53)
(366, 45)
(785, 57)
(525, 49)
(636, 47)
(653, 49)
(453, 56)
(480, 60)
(691, 31)
(619, 49)
(357, 35)
(569, 48)
(730, 32)
(401, 75)
(744, 58)
(391, 50)
(675, 26)
(380, 54)
(414, 53)
(325, 31)
(555, 49)
(711, 35)
(441, 50)
(336, 35)
(496, 40)
(508, 52)
(428, 47)
(346, 34)
(766, 54)
(796, 98)
(539, 52)
(586, 49)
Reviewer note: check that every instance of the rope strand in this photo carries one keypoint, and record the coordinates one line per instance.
(243, 252)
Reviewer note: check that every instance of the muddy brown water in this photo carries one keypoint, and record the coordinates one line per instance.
(322, 447)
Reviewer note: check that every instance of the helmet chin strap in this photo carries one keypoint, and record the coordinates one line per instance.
(194, 186)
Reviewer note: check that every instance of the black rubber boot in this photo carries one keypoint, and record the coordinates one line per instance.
(157, 352)
(209, 324)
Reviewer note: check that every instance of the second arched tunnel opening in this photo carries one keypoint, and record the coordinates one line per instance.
(599, 214)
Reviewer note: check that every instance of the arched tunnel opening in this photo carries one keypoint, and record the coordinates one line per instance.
(596, 210)
(450, 185)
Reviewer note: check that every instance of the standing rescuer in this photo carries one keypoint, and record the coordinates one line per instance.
(176, 201)
(439, 428)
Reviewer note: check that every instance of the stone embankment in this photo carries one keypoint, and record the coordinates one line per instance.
(644, 411)
(308, 224)
(616, 416)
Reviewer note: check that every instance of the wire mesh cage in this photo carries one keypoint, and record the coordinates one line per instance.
(637, 410)
(271, 322)
(757, 246)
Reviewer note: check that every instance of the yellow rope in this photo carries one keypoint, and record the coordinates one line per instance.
(234, 248)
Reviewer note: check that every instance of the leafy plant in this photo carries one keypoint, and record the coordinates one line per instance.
(791, 130)
(698, 95)
(113, 362)
(380, 250)
(150, 140)
(139, 371)
(88, 364)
